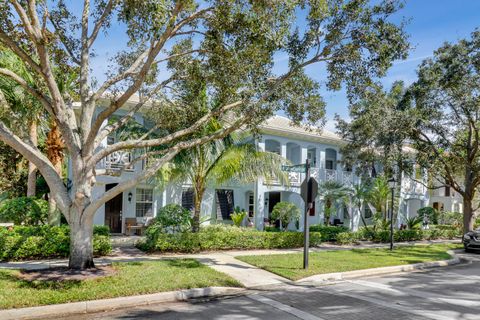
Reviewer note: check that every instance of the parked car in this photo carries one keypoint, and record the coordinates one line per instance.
(471, 241)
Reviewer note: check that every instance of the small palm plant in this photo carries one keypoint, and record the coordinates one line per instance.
(238, 216)
(285, 212)
(220, 161)
(332, 192)
(414, 222)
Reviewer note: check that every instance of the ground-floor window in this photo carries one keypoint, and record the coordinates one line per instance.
(224, 204)
(367, 212)
(251, 204)
(144, 202)
(187, 198)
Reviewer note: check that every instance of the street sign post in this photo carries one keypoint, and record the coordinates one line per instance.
(308, 191)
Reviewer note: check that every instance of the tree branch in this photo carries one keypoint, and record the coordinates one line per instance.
(101, 21)
(59, 191)
(34, 92)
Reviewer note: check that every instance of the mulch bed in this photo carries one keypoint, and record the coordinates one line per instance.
(65, 274)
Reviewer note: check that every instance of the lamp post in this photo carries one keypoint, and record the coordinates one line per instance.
(391, 184)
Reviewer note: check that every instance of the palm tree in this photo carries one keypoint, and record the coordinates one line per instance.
(378, 195)
(357, 195)
(24, 104)
(218, 162)
(331, 192)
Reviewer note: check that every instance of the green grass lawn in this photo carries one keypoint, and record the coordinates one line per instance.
(131, 278)
(291, 265)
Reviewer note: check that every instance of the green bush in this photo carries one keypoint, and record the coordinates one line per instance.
(224, 237)
(37, 242)
(285, 212)
(237, 216)
(171, 218)
(101, 230)
(430, 213)
(24, 210)
(329, 233)
(347, 237)
(272, 229)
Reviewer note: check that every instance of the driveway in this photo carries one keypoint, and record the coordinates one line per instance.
(445, 293)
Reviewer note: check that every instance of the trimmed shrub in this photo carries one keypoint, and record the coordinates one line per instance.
(24, 210)
(347, 237)
(101, 231)
(430, 213)
(329, 233)
(171, 218)
(37, 242)
(224, 237)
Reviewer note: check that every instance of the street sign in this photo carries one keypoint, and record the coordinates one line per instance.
(308, 190)
(298, 168)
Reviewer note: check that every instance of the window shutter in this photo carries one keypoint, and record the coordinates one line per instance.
(224, 204)
(187, 199)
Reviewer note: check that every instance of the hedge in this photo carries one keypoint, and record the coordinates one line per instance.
(329, 233)
(223, 237)
(398, 235)
(39, 242)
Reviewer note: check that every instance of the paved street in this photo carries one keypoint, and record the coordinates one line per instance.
(445, 293)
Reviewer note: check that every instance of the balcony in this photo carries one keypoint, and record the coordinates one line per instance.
(321, 175)
(117, 161)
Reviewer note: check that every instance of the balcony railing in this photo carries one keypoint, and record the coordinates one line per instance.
(296, 178)
(119, 160)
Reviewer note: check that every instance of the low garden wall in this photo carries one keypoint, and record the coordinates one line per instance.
(39, 242)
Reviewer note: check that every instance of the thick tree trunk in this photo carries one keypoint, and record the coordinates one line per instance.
(32, 169)
(468, 217)
(81, 243)
(55, 148)
(198, 196)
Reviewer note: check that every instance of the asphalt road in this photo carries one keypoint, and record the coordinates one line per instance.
(445, 293)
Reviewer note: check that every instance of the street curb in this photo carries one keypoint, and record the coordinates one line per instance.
(382, 270)
(116, 303)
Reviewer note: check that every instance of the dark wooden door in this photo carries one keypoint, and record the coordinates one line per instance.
(113, 211)
(273, 199)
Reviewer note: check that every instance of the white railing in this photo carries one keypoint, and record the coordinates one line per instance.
(347, 178)
(330, 175)
(119, 160)
(295, 178)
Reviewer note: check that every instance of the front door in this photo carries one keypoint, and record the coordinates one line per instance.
(273, 199)
(113, 211)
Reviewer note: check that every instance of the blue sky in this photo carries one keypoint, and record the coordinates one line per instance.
(432, 22)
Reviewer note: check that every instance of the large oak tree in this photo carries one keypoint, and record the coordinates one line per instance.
(228, 45)
(446, 122)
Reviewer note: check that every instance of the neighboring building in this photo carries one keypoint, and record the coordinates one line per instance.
(258, 199)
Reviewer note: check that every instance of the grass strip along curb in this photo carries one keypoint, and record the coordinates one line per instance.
(116, 303)
(338, 261)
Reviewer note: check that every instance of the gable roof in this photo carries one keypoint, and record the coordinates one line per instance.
(279, 125)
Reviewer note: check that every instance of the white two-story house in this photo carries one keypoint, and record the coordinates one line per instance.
(278, 135)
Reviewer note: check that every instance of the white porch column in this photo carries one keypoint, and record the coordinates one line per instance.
(303, 154)
(259, 206)
(283, 150)
(261, 145)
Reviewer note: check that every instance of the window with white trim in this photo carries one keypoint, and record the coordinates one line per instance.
(144, 203)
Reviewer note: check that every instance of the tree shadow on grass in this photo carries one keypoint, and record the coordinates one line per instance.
(184, 263)
(38, 284)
